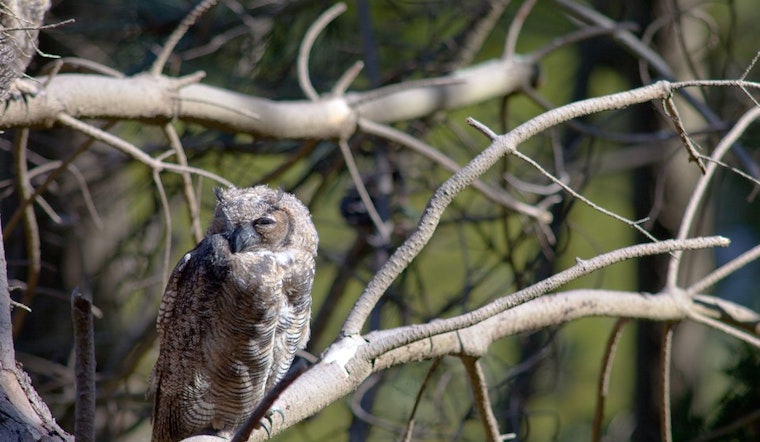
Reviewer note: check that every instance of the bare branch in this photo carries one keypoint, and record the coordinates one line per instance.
(31, 228)
(18, 214)
(700, 189)
(133, 151)
(672, 111)
(725, 328)
(348, 77)
(725, 270)
(178, 33)
(161, 99)
(502, 145)
(629, 40)
(308, 41)
(347, 372)
(187, 182)
(480, 32)
(514, 29)
(666, 347)
(583, 267)
(166, 211)
(482, 401)
(84, 345)
(409, 433)
(382, 228)
(494, 194)
(604, 378)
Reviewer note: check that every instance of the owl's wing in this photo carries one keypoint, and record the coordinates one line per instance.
(178, 381)
(293, 330)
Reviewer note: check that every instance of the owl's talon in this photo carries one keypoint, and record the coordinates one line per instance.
(268, 418)
(264, 426)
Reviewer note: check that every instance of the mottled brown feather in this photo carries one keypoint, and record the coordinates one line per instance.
(234, 312)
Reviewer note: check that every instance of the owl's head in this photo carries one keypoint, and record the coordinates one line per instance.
(259, 216)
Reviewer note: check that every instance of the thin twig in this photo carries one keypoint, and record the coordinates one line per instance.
(360, 413)
(409, 433)
(744, 76)
(52, 68)
(178, 33)
(482, 401)
(31, 229)
(602, 387)
(18, 214)
(672, 111)
(81, 182)
(479, 33)
(133, 151)
(724, 270)
(168, 222)
(577, 36)
(492, 193)
(284, 166)
(187, 182)
(749, 338)
(741, 173)
(635, 224)
(582, 268)
(308, 42)
(666, 431)
(86, 195)
(510, 44)
(382, 228)
(348, 77)
(590, 15)
(84, 367)
(700, 189)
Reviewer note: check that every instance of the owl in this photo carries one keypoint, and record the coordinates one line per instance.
(234, 312)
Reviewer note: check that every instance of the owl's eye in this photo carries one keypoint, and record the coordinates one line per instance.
(263, 221)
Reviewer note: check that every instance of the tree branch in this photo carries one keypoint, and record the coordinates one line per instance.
(159, 99)
(350, 361)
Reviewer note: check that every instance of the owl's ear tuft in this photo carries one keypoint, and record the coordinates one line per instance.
(218, 191)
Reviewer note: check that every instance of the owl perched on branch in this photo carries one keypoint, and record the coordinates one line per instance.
(233, 314)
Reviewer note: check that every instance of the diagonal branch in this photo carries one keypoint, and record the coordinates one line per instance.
(444, 195)
(482, 401)
(344, 366)
(700, 190)
(308, 41)
(582, 268)
(604, 378)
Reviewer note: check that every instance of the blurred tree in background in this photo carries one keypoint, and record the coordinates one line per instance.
(110, 225)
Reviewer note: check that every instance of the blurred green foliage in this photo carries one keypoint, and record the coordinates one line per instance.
(480, 251)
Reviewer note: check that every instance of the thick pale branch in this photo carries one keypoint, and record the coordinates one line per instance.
(158, 99)
(464, 87)
(337, 376)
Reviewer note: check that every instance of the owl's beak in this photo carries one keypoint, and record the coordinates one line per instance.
(243, 237)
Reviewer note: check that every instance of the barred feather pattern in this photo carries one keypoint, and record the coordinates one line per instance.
(234, 312)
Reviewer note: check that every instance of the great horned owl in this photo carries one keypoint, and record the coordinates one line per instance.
(233, 314)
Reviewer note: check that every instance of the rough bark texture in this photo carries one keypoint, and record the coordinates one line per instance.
(19, 26)
(23, 415)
